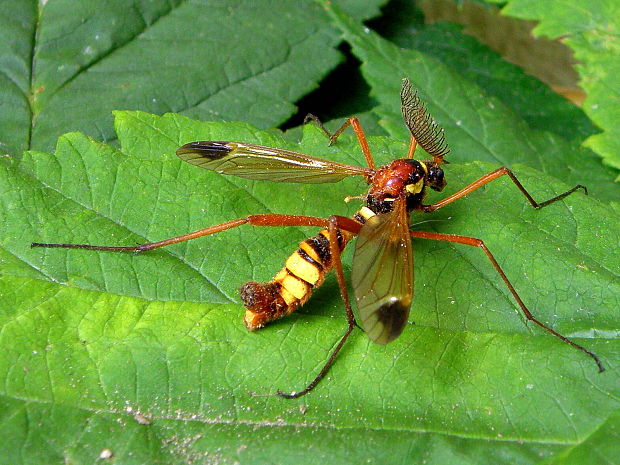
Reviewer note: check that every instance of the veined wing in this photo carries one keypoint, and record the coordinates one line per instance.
(265, 163)
(382, 275)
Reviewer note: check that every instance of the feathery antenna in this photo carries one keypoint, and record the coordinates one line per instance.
(422, 126)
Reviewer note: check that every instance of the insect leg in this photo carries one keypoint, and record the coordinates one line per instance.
(359, 132)
(255, 220)
(337, 265)
(492, 176)
(479, 243)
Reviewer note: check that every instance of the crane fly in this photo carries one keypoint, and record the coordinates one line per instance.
(382, 270)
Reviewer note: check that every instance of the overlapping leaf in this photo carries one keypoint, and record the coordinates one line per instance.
(67, 64)
(157, 338)
(145, 357)
(478, 126)
(591, 29)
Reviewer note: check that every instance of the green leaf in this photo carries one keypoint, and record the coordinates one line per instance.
(478, 126)
(146, 356)
(67, 64)
(525, 95)
(591, 29)
(601, 447)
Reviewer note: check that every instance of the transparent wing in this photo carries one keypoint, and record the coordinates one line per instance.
(265, 163)
(382, 275)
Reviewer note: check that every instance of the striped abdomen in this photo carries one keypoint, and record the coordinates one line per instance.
(304, 271)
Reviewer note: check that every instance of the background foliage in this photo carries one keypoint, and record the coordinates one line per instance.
(591, 30)
(145, 358)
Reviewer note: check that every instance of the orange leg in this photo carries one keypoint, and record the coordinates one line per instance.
(337, 264)
(359, 132)
(345, 223)
(490, 177)
(479, 243)
(334, 223)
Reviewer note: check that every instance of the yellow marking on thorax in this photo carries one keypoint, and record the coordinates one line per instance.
(415, 188)
(418, 186)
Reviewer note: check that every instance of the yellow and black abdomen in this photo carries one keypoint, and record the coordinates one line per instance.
(304, 271)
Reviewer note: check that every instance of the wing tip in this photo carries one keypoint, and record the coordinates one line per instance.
(211, 149)
(392, 318)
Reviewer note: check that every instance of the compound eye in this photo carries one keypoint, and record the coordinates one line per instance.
(436, 179)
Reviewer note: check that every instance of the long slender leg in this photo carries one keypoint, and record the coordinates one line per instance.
(334, 249)
(492, 176)
(479, 243)
(269, 219)
(359, 132)
(333, 223)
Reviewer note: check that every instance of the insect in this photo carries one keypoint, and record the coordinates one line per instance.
(382, 270)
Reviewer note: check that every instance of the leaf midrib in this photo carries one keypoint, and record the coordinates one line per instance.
(312, 426)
